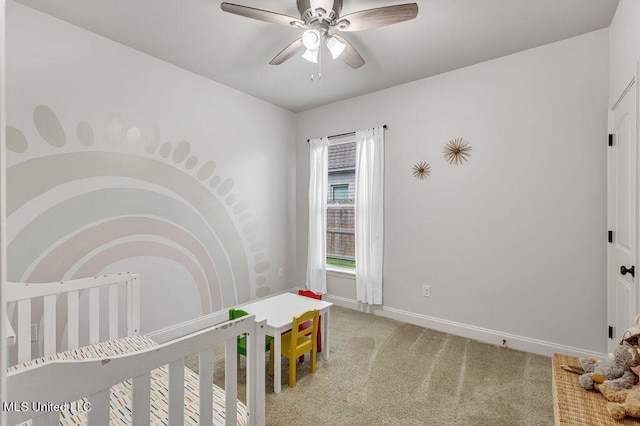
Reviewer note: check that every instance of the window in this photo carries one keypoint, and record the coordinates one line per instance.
(340, 204)
(340, 192)
(355, 161)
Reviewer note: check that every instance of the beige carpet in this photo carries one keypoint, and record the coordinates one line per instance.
(385, 372)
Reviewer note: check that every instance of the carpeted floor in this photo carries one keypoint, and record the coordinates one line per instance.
(385, 372)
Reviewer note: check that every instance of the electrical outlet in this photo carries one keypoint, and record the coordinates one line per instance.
(426, 290)
(34, 332)
(280, 272)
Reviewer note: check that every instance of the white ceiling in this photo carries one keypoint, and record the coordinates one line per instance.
(447, 34)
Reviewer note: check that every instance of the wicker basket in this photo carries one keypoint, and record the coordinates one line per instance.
(574, 405)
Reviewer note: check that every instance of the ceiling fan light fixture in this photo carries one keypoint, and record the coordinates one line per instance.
(335, 46)
(311, 39)
(318, 17)
(311, 55)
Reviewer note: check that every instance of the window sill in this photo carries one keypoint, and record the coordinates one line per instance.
(341, 272)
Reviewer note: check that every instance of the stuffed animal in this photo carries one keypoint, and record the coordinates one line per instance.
(615, 371)
(624, 402)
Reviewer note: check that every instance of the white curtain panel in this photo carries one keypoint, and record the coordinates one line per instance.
(369, 206)
(317, 252)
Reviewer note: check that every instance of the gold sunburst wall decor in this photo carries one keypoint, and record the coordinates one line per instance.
(421, 170)
(457, 151)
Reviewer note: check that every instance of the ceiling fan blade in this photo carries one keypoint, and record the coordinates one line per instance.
(350, 55)
(378, 17)
(288, 52)
(261, 15)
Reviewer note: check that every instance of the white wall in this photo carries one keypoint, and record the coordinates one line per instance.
(624, 47)
(511, 242)
(110, 168)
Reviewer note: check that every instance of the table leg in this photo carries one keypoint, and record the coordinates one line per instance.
(277, 361)
(325, 336)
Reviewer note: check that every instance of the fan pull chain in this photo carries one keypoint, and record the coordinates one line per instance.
(319, 66)
(320, 62)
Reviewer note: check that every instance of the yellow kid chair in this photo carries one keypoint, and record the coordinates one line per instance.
(300, 340)
(242, 341)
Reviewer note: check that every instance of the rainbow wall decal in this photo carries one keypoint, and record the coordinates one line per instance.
(80, 203)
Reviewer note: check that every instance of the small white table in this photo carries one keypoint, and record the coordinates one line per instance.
(279, 311)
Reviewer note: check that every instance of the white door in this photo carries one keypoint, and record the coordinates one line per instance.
(622, 216)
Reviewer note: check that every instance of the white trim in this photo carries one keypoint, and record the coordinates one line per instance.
(199, 323)
(637, 194)
(192, 326)
(336, 271)
(486, 335)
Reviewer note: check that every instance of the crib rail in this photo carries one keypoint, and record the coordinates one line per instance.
(25, 294)
(56, 382)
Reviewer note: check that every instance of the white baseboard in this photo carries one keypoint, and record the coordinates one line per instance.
(486, 335)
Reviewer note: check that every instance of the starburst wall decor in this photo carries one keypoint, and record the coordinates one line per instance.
(421, 170)
(457, 151)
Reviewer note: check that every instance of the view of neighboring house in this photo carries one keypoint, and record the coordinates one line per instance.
(340, 205)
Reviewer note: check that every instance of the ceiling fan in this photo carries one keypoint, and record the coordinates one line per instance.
(320, 18)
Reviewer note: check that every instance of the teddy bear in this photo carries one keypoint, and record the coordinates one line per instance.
(624, 402)
(615, 371)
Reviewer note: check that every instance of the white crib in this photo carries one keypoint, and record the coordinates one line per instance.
(121, 377)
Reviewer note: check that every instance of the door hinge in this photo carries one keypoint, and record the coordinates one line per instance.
(610, 139)
(610, 236)
(610, 332)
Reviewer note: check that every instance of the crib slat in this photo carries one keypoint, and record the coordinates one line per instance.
(206, 389)
(113, 312)
(99, 413)
(94, 316)
(73, 311)
(24, 330)
(49, 325)
(231, 380)
(251, 371)
(133, 296)
(141, 399)
(255, 381)
(176, 392)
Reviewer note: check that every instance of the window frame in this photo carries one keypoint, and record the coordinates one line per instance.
(336, 270)
(339, 186)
